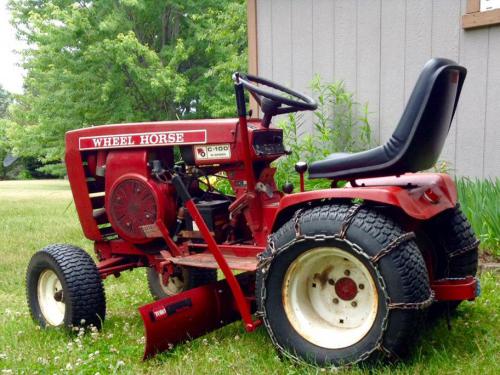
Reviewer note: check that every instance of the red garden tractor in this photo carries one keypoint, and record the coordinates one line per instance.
(336, 276)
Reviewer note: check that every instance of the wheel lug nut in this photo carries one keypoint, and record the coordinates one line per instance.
(347, 272)
(331, 281)
(361, 286)
(354, 304)
(335, 300)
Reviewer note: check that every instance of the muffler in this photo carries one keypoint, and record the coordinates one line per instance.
(192, 313)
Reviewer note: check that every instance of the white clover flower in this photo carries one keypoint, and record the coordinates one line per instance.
(42, 360)
(69, 366)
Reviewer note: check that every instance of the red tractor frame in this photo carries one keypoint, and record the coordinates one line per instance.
(337, 275)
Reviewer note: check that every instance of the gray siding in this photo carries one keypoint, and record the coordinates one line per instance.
(378, 47)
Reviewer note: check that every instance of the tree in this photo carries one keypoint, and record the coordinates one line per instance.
(5, 100)
(110, 61)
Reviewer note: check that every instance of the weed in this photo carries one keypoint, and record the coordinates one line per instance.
(340, 124)
(480, 201)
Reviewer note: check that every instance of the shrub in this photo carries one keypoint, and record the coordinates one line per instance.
(340, 124)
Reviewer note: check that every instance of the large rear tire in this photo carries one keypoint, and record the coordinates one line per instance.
(64, 288)
(326, 300)
(184, 278)
(455, 250)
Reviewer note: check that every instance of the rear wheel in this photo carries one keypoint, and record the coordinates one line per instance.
(64, 288)
(183, 278)
(455, 248)
(329, 292)
(334, 300)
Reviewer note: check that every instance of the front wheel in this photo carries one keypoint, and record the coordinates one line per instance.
(341, 284)
(63, 287)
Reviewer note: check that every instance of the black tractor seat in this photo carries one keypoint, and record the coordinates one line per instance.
(419, 137)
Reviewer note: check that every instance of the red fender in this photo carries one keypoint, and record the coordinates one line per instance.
(420, 195)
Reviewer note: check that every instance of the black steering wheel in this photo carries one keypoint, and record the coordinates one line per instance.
(272, 103)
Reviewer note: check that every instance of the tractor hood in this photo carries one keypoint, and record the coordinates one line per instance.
(151, 134)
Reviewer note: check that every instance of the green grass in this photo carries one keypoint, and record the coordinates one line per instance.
(36, 213)
(480, 201)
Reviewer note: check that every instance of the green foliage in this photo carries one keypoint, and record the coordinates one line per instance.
(99, 62)
(340, 124)
(479, 200)
(53, 169)
(442, 166)
(3, 148)
(5, 100)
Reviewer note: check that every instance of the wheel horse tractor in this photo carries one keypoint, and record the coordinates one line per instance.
(337, 276)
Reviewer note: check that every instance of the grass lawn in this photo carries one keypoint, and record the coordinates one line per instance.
(36, 213)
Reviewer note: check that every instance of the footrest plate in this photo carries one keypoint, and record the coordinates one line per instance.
(455, 289)
(207, 260)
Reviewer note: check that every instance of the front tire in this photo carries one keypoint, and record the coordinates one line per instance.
(63, 287)
(374, 312)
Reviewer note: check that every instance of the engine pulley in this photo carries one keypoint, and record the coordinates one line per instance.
(133, 203)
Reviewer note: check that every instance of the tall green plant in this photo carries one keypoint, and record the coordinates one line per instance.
(479, 200)
(340, 124)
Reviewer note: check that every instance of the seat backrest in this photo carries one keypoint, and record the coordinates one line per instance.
(420, 135)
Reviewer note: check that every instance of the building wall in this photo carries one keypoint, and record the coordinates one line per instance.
(378, 47)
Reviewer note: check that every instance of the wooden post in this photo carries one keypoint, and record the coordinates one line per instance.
(253, 62)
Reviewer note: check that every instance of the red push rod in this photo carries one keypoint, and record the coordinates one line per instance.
(241, 301)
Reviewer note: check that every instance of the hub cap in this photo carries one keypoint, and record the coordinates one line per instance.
(51, 298)
(174, 285)
(330, 297)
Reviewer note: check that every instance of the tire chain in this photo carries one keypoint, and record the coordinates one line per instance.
(393, 245)
(353, 210)
(464, 250)
(265, 263)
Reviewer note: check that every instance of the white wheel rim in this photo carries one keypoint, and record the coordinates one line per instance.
(174, 285)
(50, 298)
(317, 306)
